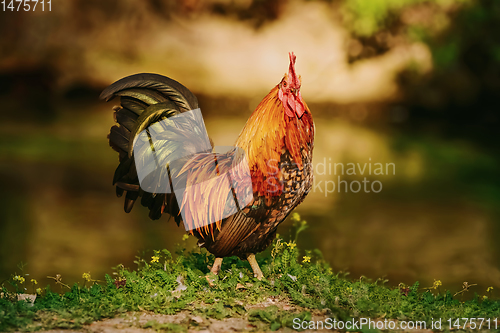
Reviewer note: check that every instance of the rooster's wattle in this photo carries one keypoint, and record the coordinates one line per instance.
(277, 142)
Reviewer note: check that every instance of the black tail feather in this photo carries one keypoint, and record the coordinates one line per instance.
(126, 118)
(119, 138)
(139, 93)
(133, 105)
(171, 89)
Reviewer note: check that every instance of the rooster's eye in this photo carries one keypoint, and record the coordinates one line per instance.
(284, 83)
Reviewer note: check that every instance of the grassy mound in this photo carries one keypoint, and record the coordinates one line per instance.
(167, 284)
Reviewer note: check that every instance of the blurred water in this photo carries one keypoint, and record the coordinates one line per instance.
(433, 218)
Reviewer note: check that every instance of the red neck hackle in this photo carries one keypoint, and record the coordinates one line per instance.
(289, 91)
(281, 122)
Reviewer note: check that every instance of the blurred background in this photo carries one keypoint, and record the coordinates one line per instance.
(409, 82)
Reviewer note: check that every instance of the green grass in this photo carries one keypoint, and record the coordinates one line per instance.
(167, 284)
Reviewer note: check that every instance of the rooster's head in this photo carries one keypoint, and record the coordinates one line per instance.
(289, 91)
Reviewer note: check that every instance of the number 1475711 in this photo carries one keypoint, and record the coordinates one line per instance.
(26, 5)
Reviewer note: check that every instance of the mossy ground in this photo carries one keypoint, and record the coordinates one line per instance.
(296, 285)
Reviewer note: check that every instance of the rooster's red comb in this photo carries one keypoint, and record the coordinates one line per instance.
(293, 79)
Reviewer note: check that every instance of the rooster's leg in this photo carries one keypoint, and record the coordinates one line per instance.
(255, 266)
(216, 267)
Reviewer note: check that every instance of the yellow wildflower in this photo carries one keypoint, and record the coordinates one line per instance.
(349, 289)
(306, 259)
(18, 278)
(295, 217)
(86, 276)
(185, 237)
(39, 291)
(34, 281)
(291, 245)
(154, 259)
(489, 289)
(437, 284)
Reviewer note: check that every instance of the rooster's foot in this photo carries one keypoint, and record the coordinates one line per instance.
(216, 267)
(255, 266)
(215, 270)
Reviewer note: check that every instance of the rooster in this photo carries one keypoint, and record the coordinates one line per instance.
(277, 143)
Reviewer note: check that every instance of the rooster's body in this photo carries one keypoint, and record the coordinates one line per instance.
(277, 141)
